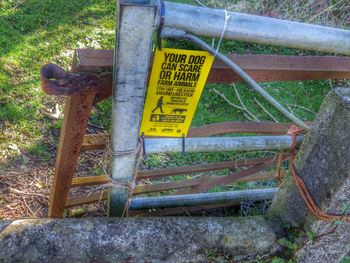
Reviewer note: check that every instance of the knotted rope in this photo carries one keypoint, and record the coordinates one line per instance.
(129, 186)
(226, 19)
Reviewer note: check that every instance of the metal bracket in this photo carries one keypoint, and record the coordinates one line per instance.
(183, 152)
(143, 145)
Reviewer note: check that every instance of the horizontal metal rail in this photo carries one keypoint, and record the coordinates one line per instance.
(197, 168)
(141, 189)
(177, 210)
(218, 144)
(267, 128)
(257, 29)
(99, 141)
(260, 67)
(227, 179)
(201, 199)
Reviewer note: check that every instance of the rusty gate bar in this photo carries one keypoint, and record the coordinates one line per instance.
(257, 29)
(136, 22)
(197, 168)
(76, 116)
(99, 141)
(269, 128)
(202, 198)
(263, 68)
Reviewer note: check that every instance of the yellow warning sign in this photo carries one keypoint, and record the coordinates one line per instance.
(176, 84)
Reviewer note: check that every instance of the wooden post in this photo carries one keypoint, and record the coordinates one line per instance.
(323, 162)
(136, 24)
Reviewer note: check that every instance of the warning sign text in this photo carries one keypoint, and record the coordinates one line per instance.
(176, 84)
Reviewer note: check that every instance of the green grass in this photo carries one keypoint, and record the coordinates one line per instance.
(35, 32)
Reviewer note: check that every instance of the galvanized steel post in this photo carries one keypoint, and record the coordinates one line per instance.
(217, 144)
(232, 197)
(136, 22)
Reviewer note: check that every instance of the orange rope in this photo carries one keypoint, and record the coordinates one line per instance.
(278, 175)
(294, 131)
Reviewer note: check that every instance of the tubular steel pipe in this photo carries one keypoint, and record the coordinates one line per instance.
(257, 29)
(234, 197)
(173, 33)
(217, 144)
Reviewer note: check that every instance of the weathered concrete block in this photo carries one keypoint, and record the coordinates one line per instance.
(181, 239)
(323, 162)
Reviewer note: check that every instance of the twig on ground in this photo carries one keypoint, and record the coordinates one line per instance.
(323, 11)
(289, 108)
(28, 207)
(241, 101)
(316, 238)
(186, 212)
(12, 174)
(96, 126)
(36, 212)
(229, 102)
(55, 115)
(246, 112)
(10, 206)
(304, 108)
(200, 3)
(266, 111)
(25, 193)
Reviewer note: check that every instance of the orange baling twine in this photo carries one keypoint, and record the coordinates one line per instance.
(294, 131)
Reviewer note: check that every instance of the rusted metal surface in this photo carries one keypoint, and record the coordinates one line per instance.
(95, 66)
(142, 189)
(76, 115)
(194, 182)
(240, 127)
(166, 186)
(264, 68)
(267, 68)
(57, 81)
(89, 181)
(222, 180)
(93, 59)
(94, 142)
(86, 199)
(190, 169)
